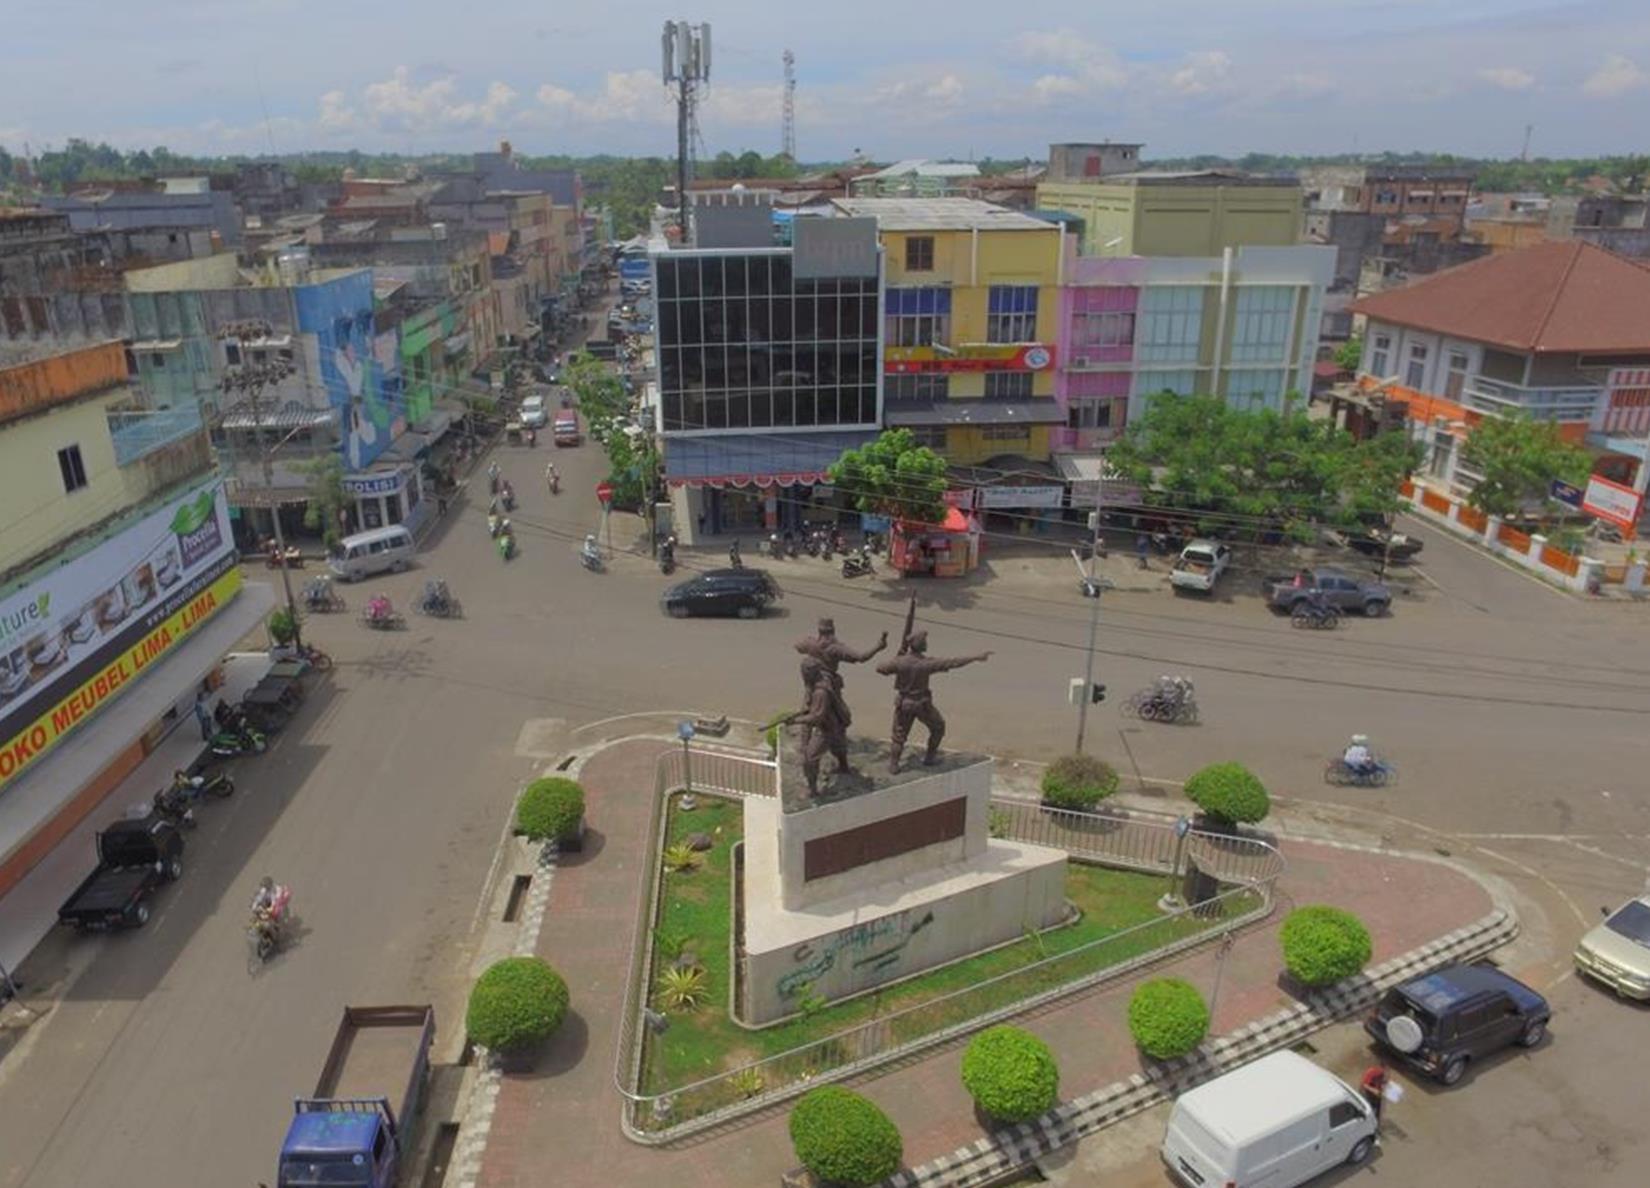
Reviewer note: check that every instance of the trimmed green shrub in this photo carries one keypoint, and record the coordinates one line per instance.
(843, 1138)
(516, 1003)
(1078, 782)
(1324, 944)
(550, 810)
(1230, 793)
(283, 627)
(1167, 1018)
(1010, 1074)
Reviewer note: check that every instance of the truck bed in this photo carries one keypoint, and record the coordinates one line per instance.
(104, 893)
(375, 1053)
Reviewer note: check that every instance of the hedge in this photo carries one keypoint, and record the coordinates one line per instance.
(1324, 944)
(550, 809)
(1167, 1018)
(1078, 782)
(843, 1138)
(516, 1003)
(1230, 793)
(1010, 1074)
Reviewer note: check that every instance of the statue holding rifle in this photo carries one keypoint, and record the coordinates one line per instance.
(913, 699)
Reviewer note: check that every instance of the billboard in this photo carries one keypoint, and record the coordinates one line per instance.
(1034, 356)
(361, 369)
(73, 638)
(1611, 501)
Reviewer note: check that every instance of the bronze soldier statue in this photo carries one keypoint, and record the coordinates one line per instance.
(831, 652)
(824, 721)
(913, 700)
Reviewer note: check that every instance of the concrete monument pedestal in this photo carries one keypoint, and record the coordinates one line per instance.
(881, 877)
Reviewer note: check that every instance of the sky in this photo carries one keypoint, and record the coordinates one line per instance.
(890, 78)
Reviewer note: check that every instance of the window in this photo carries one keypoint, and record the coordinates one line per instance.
(1343, 1112)
(1415, 374)
(1386, 197)
(1380, 354)
(932, 436)
(1089, 414)
(1006, 433)
(919, 253)
(1169, 326)
(157, 360)
(1458, 364)
(1008, 385)
(1261, 323)
(917, 387)
(1103, 329)
(1011, 313)
(917, 317)
(1181, 383)
(74, 470)
(1255, 389)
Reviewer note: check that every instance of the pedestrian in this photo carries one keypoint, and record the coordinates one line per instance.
(1142, 549)
(1373, 1085)
(203, 715)
(440, 504)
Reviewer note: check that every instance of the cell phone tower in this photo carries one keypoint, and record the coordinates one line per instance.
(686, 65)
(787, 128)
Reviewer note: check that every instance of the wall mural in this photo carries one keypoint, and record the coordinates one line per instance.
(872, 948)
(361, 369)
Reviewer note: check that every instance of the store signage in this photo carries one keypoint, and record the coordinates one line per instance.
(1611, 501)
(1568, 494)
(74, 638)
(914, 360)
(1039, 495)
(375, 484)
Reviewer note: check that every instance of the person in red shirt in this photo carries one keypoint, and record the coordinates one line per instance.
(1373, 1085)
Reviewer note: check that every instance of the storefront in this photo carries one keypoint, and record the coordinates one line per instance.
(753, 484)
(385, 496)
(947, 549)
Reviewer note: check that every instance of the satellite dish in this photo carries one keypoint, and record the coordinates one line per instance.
(1404, 1033)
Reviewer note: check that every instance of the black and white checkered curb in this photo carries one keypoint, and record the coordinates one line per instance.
(998, 1155)
(470, 1148)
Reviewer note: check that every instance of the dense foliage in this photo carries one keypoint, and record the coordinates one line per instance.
(843, 1138)
(1230, 793)
(516, 1003)
(1322, 945)
(894, 476)
(550, 809)
(1167, 1017)
(1010, 1074)
(1287, 471)
(1519, 458)
(633, 460)
(1078, 782)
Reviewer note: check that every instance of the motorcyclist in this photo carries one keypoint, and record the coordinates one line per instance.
(733, 555)
(378, 607)
(667, 549)
(1358, 758)
(552, 477)
(492, 477)
(591, 551)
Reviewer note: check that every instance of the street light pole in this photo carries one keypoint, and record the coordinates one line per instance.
(1093, 591)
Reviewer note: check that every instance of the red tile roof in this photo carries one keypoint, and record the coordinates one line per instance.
(1565, 296)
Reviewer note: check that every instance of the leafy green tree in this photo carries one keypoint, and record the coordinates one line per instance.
(894, 476)
(1519, 458)
(1349, 354)
(326, 496)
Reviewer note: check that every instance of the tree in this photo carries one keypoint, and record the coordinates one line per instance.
(1350, 354)
(894, 476)
(326, 497)
(1519, 458)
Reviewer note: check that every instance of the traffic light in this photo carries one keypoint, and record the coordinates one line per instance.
(1097, 693)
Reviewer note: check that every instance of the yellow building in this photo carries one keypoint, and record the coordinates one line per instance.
(970, 317)
(1179, 214)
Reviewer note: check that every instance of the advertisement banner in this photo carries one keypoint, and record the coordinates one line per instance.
(1034, 356)
(101, 617)
(1611, 501)
(1038, 495)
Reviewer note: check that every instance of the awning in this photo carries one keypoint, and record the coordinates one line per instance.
(975, 412)
(755, 459)
(158, 344)
(281, 419)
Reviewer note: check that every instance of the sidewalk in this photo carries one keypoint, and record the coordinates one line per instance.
(563, 1119)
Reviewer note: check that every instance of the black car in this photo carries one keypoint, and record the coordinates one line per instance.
(1441, 1022)
(742, 592)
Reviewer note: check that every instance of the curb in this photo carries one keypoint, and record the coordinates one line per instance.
(991, 1158)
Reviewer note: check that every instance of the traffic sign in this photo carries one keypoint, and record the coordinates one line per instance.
(604, 493)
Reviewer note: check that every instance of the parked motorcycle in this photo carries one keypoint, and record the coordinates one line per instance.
(172, 806)
(776, 545)
(191, 788)
(793, 547)
(320, 597)
(437, 601)
(232, 741)
(857, 564)
(825, 540)
(1319, 616)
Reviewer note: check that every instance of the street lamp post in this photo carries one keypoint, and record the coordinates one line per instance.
(250, 379)
(1091, 587)
(684, 731)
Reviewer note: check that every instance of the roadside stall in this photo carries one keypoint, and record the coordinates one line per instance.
(948, 549)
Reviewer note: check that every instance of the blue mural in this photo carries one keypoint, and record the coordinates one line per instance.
(361, 369)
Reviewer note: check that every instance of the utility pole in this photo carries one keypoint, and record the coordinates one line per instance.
(1091, 587)
(787, 128)
(250, 380)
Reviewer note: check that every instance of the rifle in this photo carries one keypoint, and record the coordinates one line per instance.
(910, 626)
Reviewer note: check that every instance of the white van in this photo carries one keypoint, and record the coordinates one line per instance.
(1278, 1122)
(367, 553)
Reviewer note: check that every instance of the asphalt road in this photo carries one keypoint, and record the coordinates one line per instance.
(1517, 716)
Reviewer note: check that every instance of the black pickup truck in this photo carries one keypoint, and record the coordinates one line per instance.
(133, 858)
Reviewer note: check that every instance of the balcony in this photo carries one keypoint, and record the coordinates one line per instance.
(137, 433)
(1498, 398)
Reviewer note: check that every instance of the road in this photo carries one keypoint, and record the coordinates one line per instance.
(1516, 714)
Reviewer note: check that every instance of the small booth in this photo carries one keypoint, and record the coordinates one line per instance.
(948, 549)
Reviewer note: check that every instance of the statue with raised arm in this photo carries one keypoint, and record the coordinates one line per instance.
(913, 700)
(824, 646)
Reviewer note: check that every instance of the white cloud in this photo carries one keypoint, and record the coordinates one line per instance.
(1056, 86)
(1203, 71)
(1508, 78)
(947, 91)
(1085, 66)
(1616, 75)
(631, 96)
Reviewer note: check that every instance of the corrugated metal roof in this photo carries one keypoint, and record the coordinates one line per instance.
(939, 214)
(283, 419)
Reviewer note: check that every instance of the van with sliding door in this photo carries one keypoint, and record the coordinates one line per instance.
(376, 551)
(1277, 1122)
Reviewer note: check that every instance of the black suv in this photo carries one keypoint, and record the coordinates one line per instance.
(742, 592)
(1440, 1022)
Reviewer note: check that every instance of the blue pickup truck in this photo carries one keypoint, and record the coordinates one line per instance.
(355, 1130)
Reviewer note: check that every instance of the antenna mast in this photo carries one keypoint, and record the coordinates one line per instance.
(787, 131)
(686, 64)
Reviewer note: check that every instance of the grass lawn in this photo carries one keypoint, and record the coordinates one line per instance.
(696, 907)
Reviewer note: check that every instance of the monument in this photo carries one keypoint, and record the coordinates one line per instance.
(873, 871)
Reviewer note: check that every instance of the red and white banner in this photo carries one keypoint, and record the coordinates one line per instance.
(1611, 501)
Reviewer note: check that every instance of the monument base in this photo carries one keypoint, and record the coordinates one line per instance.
(883, 929)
